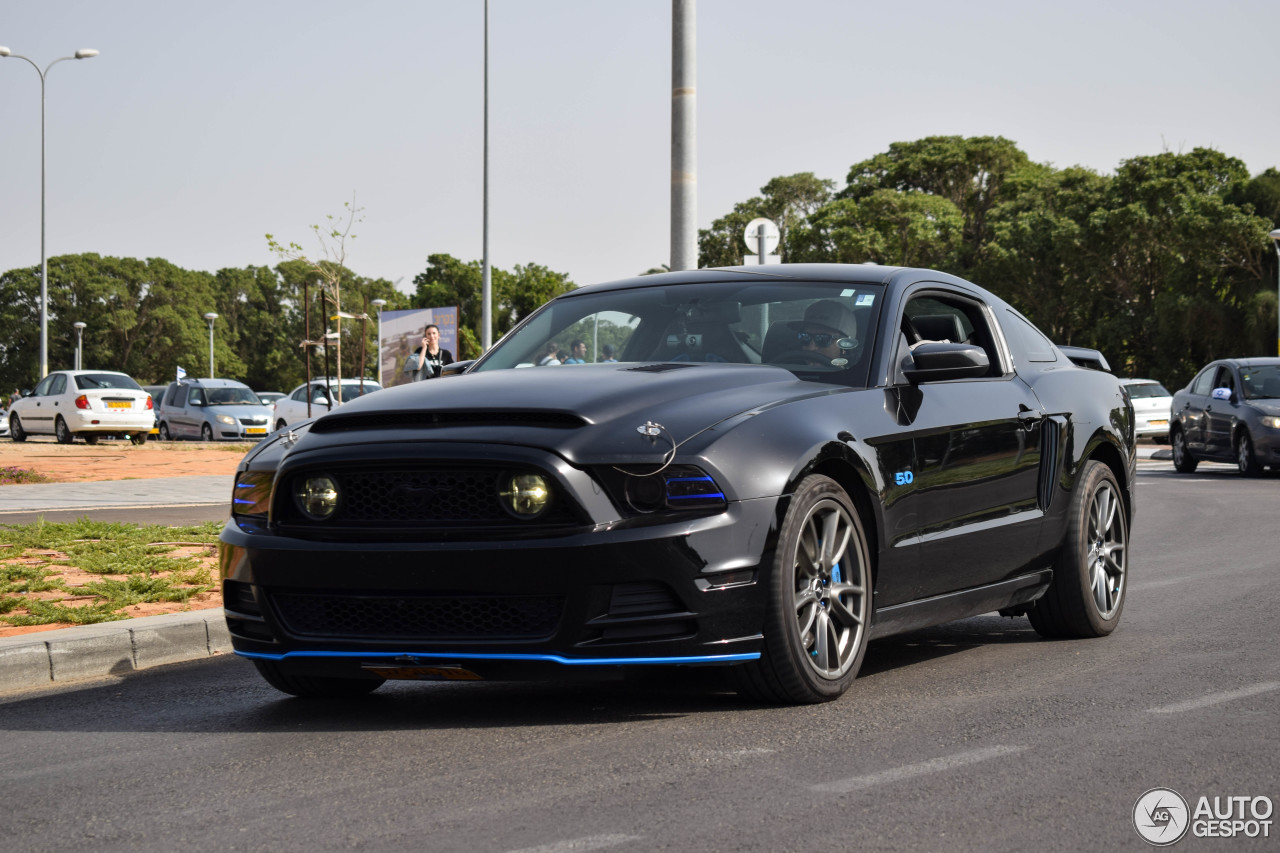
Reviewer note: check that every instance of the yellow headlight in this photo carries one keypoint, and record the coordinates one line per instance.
(316, 496)
(525, 495)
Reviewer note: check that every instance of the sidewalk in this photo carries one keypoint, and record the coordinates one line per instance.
(111, 648)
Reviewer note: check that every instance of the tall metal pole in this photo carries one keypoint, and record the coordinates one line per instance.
(85, 53)
(211, 317)
(684, 136)
(1275, 235)
(486, 289)
(79, 327)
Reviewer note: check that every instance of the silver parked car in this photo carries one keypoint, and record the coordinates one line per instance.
(212, 409)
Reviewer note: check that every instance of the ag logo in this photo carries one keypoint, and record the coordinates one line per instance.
(1161, 817)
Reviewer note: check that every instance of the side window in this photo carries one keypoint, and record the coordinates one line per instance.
(1224, 379)
(1027, 344)
(943, 317)
(195, 398)
(1204, 383)
(173, 397)
(300, 395)
(59, 385)
(43, 388)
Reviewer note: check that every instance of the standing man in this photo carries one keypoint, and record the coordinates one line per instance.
(577, 353)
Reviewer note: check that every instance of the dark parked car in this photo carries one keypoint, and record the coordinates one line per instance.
(780, 467)
(1230, 412)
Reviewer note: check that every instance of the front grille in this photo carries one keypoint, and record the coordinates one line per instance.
(425, 618)
(259, 421)
(421, 497)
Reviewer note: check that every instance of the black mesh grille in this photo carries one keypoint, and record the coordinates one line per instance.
(425, 497)
(437, 617)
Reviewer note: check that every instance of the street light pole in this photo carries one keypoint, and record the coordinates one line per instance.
(84, 53)
(378, 305)
(211, 317)
(1275, 235)
(79, 327)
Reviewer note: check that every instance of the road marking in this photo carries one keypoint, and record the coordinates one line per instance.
(1165, 582)
(933, 765)
(574, 845)
(1216, 698)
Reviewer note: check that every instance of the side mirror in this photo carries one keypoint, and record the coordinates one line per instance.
(195, 403)
(934, 362)
(455, 368)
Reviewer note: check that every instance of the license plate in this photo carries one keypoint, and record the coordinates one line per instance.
(119, 404)
(1160, 423)
(255, 430)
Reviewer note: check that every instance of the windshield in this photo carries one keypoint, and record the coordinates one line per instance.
(88, 381)
(1146, 389)
(232, 397)
(818, 329)
(1261, 383)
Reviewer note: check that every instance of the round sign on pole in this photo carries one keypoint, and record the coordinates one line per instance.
(752, 235)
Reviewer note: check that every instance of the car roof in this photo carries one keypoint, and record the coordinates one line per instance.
(854, 273)
(212, 383)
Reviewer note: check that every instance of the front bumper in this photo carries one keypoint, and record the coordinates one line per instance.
(684, 592)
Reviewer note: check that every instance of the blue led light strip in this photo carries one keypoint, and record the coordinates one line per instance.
(745, 656)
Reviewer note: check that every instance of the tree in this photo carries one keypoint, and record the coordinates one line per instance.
(786, 201)
(885, 227)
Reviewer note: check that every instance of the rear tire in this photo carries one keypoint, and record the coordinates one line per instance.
(164, 432)
(90, 438)
(139, 438)
(281, 678)
(16, 432)
(62, 432)
(1183, 461)
(1090, 579)
(1246, 462)
(819, 601)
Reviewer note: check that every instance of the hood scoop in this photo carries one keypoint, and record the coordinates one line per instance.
(382, 420)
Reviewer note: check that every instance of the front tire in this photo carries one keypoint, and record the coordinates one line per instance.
(1246, 462)
(1090, 579)
(279, 676)
(819, 601)
(206, 433)
(16, 432)
(62, 432)
(1183, 461)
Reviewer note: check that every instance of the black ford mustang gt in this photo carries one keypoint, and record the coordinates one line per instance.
(781, 465)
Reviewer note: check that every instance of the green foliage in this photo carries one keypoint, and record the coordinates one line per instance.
(787, 201)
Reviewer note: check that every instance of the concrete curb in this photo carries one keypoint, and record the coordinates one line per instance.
(110, 648)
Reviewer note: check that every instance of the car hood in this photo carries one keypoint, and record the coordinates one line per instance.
(1268, 407)
(586, 413)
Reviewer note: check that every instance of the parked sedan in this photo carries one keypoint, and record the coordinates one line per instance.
(318, 397)
(778, 469)
(212, 409)
(88, 404)
(4, 422)
(1151, 407)
(1230, 412)
(269, 398)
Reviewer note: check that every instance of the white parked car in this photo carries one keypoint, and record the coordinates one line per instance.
(88, 404)
(321, 394)
(1152, 405)
(4, 422)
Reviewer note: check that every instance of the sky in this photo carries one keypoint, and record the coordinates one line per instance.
(202, 127)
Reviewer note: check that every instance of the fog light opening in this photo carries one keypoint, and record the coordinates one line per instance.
(525, 496)
(316, 496)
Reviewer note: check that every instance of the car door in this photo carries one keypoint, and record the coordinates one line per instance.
(1220, 411)
(976, 455)
(37, 411)
(1191, 415)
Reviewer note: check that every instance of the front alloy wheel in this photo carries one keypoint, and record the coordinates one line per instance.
(819, 601)
(1183, 461)
(1246, 462)
(1090, 579)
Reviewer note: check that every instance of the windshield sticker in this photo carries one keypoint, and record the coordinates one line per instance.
(866, 299)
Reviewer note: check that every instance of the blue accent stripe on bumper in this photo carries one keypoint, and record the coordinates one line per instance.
(694, 659)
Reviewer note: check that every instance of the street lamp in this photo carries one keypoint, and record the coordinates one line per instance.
(1275, 235)
(79, 327)
(378, 305)
(211, 317)
(85, 53)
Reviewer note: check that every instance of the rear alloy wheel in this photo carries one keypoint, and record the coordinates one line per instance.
(819, 609)
(90, 438)
(164, 432)
(279, 676)
(206, 433)
(139, 438)
(1183, 461)
(16, 432)
(280, 424)
(1245, 460)
(62, 432)
(1090, 579)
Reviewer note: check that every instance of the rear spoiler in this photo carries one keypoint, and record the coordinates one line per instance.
(1085, 357)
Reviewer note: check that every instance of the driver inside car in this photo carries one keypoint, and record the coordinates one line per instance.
(828, 332)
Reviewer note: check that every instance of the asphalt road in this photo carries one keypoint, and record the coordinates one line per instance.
(976, 736)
